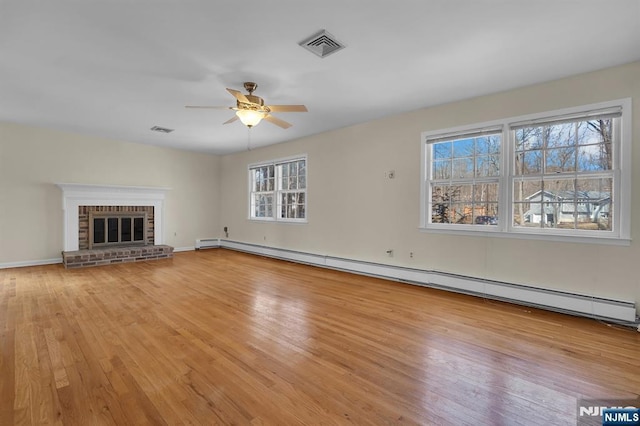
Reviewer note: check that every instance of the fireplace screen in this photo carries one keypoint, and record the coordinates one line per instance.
(111, 229)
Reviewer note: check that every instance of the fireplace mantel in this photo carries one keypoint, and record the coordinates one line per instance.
(75, 195)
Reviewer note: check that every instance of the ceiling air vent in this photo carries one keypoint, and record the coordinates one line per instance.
(161, 129)
(322, 44)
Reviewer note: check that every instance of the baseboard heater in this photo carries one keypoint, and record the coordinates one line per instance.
(571, 303)
(202, 243)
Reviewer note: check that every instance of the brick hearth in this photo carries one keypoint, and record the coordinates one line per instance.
(106, 256)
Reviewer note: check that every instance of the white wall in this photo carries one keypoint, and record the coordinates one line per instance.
(32, 160)
(354, 212)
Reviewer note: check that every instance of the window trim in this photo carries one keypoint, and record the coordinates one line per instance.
(425, 191)
(275, 218)
(622, 164)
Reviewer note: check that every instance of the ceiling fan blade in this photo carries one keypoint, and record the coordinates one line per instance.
(281, 123)
(239, 96)
(207, 107)
(231, 120)
(288, 108)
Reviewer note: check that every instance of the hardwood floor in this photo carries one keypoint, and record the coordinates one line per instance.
(220, 337)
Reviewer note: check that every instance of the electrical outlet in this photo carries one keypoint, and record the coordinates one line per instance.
(411, 254)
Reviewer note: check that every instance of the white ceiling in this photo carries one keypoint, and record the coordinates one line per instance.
(115, 68)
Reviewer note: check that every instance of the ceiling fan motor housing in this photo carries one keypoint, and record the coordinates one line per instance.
(250, 86)
(255, 99)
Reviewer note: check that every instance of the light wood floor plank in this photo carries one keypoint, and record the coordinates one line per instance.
(220, 337)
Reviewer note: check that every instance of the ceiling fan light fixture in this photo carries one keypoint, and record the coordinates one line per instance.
(250, 117)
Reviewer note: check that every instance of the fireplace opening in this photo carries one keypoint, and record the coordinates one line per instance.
(115, 226)
(107, 229)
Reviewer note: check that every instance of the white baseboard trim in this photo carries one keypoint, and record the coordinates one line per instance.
(554, 300)
(25, 263)
(571, 303)
(179, 249)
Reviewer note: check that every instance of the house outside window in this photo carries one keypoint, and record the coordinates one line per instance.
(560, 175)
(278, 190)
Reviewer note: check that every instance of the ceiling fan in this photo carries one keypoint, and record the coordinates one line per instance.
(250, 109)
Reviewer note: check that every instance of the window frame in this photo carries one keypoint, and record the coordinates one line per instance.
(621, 173)
(485, 130)
(277, 191)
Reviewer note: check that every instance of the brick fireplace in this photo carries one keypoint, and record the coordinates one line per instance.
(111, 209)
(92, 217)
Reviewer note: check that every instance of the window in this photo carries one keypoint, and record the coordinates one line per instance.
(464, 178)
(562, 174)
(278, 190)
